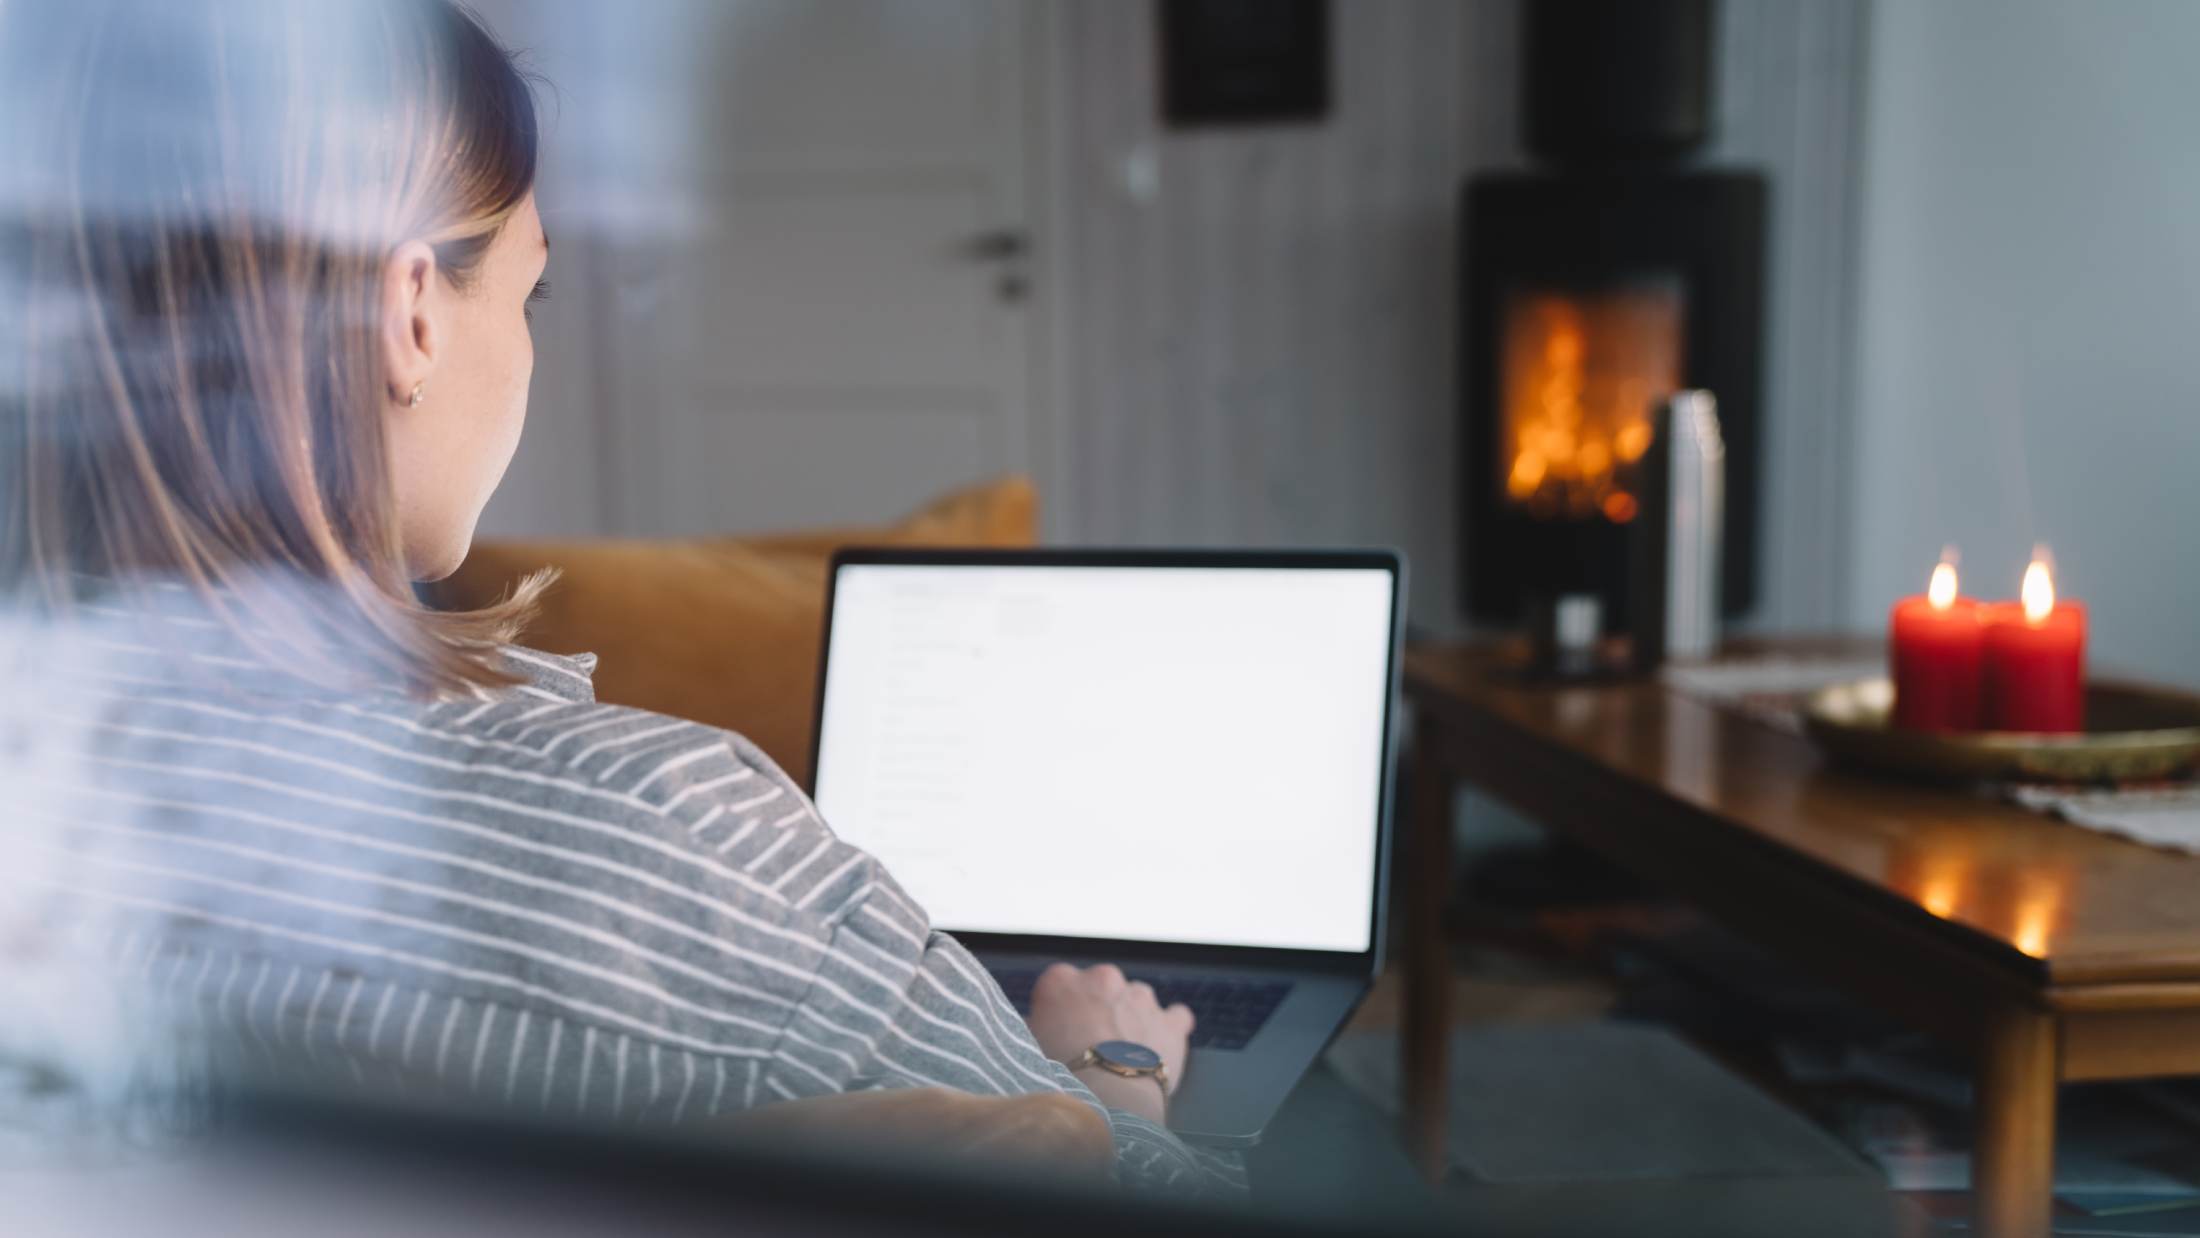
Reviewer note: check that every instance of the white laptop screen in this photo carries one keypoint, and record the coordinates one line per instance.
(1177, 754)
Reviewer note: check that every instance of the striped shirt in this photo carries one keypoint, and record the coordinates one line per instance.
(527, 898)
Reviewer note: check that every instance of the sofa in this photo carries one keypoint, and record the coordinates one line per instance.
(719, 630)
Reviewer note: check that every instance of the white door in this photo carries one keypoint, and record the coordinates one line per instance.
(839, 330)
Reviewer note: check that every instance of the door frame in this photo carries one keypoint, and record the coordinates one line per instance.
(1050, 332)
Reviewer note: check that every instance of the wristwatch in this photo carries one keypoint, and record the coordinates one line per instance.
(1130, 1060)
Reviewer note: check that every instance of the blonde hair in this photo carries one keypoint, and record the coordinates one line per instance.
(198, 216)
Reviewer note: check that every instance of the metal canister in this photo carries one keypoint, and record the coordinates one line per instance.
(1674, 587)
(1695, 523)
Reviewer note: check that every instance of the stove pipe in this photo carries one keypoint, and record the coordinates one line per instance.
(1616, 81)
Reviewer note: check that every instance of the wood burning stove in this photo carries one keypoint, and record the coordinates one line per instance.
(1592, 288)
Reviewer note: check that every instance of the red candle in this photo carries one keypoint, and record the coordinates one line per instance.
(1936, 648)
(2035, 660)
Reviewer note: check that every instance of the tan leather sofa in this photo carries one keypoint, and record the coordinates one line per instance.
(721, 630)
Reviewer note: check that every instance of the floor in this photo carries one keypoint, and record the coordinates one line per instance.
(1333, 1148)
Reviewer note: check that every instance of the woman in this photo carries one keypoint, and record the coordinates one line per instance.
(277, 260)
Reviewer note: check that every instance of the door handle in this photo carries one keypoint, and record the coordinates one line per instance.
(999, 245)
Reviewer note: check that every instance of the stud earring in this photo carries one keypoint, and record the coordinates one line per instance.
(414, 401)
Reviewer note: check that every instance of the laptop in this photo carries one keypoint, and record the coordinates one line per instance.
(1175, 761)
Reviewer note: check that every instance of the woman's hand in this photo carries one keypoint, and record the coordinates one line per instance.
(1073, 1009)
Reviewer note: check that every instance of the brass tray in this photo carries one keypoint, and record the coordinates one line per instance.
(2133, 734)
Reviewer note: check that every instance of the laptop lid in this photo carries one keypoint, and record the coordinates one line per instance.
(1180, 753)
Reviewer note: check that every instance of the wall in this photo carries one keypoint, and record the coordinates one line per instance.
(609, 105)
(1259, 340)
(2029, 301)
(1790, 102)
(1262, 350)
(1252, 330)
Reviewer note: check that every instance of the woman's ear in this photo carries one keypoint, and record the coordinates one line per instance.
(411, 336)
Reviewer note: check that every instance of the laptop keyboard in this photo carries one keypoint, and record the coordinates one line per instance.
(1228, 1012)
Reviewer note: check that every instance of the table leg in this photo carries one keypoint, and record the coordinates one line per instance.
(1427, 1027)
(2013, 1149)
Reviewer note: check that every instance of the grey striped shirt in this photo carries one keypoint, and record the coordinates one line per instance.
(527, 898)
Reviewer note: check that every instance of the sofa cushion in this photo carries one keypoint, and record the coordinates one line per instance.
(721, 630)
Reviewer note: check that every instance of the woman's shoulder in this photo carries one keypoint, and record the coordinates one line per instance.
(648, 760)
(710, 782)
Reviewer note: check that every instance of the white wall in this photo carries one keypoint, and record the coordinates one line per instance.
(1789, 103)
(1259, 343)
(1264, 350)
(2029, 347)
(611, 110)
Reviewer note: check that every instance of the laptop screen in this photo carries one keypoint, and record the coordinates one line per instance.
(1157, 753)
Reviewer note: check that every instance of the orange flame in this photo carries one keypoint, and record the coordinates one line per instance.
(1579, 373)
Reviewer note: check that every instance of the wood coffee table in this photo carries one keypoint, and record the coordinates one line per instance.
(2044, 951)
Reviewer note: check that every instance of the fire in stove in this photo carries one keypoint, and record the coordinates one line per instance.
(1580, 373)
(1612, 271)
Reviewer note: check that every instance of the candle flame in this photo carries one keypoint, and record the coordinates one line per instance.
(1942, 591)
(2038, 592)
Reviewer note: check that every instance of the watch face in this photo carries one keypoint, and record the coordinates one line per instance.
(1126, 1054)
